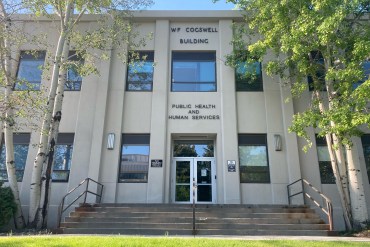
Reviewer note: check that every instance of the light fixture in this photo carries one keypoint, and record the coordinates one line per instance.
(278, 142)
(110, 143)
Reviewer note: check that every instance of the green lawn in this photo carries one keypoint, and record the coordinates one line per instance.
(110, 241)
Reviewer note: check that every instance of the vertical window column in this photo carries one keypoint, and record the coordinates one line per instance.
(134, 164)
(253, 158)
(63, 157)
(193, 72)
(74, 79)
(366, 147)
(326, 171)
(140, 71)
(21, 143)
(30, 70)
(248, 74)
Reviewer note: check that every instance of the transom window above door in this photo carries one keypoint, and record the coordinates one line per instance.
(193, 71)
(193, 149)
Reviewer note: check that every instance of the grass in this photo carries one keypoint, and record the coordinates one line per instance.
(124, 241)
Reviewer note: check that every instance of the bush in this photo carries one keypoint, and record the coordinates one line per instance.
(7, 205)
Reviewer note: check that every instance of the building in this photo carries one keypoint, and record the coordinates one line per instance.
(147, 136)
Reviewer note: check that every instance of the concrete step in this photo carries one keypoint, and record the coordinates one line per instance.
(239, 226)
(199, 214)
(198, 219)
(177, 219)
(198, 210)
(174, 232)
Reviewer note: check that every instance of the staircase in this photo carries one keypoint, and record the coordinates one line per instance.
(177, 219)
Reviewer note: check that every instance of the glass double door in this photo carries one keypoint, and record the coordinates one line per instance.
(194, 179)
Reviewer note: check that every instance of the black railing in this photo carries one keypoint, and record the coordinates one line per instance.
(98, 194)
(328, 210)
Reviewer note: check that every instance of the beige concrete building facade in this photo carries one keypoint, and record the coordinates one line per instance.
(187, 121)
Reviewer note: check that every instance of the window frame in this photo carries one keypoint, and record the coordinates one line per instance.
(189, 53)
(365, 141)
(73, 56)
(133, 140)
(25, 56)
(63, 139)
(321, 142)
(318, 60)
(248, 85)
(254, 140)
(149, 58)
(18, 139)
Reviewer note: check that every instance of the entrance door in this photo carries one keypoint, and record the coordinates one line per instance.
(194, 178)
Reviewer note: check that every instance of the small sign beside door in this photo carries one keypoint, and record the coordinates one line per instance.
(156, 163)
(231, 166)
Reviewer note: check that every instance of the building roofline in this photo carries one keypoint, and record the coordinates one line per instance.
(151, 15)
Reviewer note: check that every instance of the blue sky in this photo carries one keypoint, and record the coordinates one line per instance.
(190, 5)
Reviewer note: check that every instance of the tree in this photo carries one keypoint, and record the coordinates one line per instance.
(8, 206)
(329, 40)
(8, 40)
(112, 31)
(184, 150)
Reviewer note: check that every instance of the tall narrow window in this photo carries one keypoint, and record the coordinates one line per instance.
(63, 157)
(193, 72)
(253, 158)
(30, 70)
(366, 70)
(140, 71)
(74, 79)
(134, 162)
(21, 143)
(366, 146)
(316, 79)
(248, 76)
(326, 171)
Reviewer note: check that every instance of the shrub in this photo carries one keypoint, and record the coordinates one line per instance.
(7, 205)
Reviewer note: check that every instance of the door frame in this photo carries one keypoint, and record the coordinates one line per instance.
(193, 175)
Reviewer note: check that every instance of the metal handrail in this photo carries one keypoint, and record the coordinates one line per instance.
(98, 195)
(329, 206)
(194, 191)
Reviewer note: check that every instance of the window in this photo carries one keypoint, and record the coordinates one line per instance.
(134, 162)
(366, 69)
(193, 149)
(30, 71)
(318, 80)
(253, 159)
(248, 76)
(62, 157)
(140, 71)
(366, 146)
(193, 72)
(74, 79)
(326, 171)
(21, 142)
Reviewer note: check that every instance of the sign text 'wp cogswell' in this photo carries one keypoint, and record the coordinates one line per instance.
(194, 29)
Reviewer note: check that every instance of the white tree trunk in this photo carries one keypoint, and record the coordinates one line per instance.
(53, 136)
(341, 189)
(334, 164)
(41, 157)
(9, 119)
(356, 188)
(35, 189)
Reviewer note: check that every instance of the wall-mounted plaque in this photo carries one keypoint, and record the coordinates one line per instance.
(156, 163)
(231, 166)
